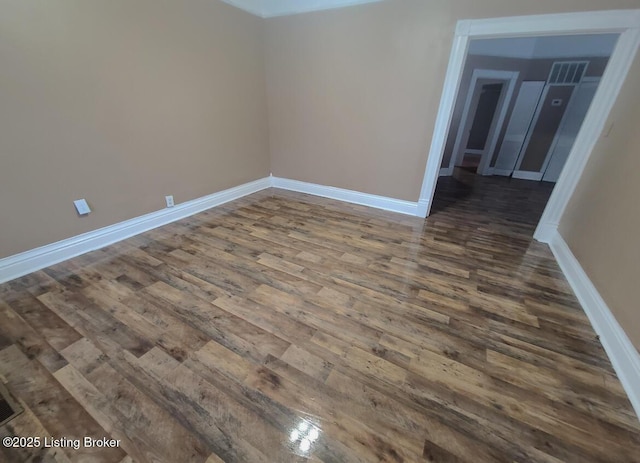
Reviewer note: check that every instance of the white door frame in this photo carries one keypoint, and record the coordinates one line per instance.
(556, 138)
(509, 78)
(624, 22)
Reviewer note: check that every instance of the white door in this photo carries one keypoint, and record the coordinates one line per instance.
(571, 123)
(521, 117)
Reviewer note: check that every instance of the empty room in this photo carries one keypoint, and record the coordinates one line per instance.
(319, 230)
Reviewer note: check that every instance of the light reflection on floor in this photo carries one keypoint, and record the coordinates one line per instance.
(303, 436)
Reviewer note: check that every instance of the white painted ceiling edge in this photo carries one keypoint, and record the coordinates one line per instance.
(273, 8)
(521, 47)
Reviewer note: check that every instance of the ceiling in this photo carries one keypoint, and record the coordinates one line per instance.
(519, 47)
(564, 46)
(272, 8)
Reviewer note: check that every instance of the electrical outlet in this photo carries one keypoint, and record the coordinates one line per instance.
(169, 200)
(82, 207)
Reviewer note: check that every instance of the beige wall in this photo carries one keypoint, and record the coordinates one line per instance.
(602, 222)
(123, 102)
(354, 92)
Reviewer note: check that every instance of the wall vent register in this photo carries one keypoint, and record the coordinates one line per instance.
(9, 408)
(567, 72)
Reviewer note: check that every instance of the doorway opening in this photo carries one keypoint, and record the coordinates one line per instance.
(622, 22)
(486, 97)
(552, 81)
(485, 108)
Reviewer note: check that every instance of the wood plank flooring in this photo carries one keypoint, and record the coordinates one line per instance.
(286, 328)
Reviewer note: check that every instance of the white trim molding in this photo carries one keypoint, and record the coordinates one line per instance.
(36, 259)
(349, 196)
(445, 113)
(623, 22)
(527, 175)
(446, 172)
(273, 8)
(30, 261)
(546, 232)
(509, 78)
(503, 172)
(593, 124)
(622, 353)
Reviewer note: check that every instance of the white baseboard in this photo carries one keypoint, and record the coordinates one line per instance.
(30, 261)
(35, 259)
(446, 172)
(622, 353)
(526, 175)
(545, 232)
(503, 172)
(423, 208)
(350, 196)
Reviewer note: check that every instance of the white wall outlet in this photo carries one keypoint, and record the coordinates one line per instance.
(169, 200)
(82, 207)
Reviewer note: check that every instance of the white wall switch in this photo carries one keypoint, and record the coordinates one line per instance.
(169, 200)
(82, 207)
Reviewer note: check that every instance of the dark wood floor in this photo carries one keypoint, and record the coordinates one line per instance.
(284, 327)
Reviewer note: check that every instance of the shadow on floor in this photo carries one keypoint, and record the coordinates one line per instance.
(496, 198)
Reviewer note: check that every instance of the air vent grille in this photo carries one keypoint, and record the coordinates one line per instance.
(9, 408)
(567, 72)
